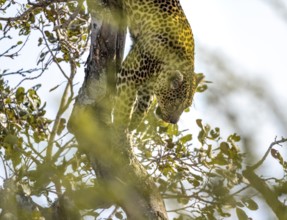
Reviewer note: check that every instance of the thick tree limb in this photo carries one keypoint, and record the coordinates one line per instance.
(114, 163)
(271, 198)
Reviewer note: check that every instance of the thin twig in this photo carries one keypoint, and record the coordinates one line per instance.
(19, 17)
(5, 170)
(32, 78)
(260, 162)
(30, 10)
(20, 72)
(52, 54)
(61, 110)
(72, 17)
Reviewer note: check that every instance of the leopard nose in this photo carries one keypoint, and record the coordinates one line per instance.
(173, 119)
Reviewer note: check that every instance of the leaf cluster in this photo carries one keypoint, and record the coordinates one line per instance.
(22, 118)
(24, 140)
(203, 176)
(61, 28)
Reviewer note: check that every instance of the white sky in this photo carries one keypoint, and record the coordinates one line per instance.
(248, 32)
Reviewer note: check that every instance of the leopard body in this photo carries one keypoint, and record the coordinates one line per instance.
(160, 62)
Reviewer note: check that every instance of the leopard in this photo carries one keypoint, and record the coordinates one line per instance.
(160, 63)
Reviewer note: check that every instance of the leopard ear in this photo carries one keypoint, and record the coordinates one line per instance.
(199, 78)
(175, 79)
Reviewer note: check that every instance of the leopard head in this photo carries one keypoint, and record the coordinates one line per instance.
(174, 92)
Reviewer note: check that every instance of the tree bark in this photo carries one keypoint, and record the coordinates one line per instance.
(271, 198)
(117, 168)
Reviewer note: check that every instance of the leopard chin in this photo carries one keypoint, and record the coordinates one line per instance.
(172, 118)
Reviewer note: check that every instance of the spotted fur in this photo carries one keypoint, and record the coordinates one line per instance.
(160, 63)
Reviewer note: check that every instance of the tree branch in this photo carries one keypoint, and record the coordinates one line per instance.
(260, 162)
(35, 6)
(271, 198)
(114, 164)
(279, 209)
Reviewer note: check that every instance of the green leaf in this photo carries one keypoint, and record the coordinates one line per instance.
(47, 33)
(197, 177)
(239, 204)
(209, 151)
(170, 143)
(199, 123)
(215, 133)
(20, 94)
(234, 137)
(40, 41)
(195, 183)
(241, 214)
(183, 201)
(11, 139)
(32, 93)
(119, 215)
(31, 18)
(201, 88)
(276, 154)
(220, 160)
(36, 137)
(201, 136)
(8, 100)
(19, 42)
(172, 130)
(186, 138)
(250, 204)
(224, 147)
(59, 59)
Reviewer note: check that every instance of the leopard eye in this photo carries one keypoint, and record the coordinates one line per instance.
(175, 84)
(176, 79)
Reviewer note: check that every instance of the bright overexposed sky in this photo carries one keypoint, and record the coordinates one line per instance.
(249, 33)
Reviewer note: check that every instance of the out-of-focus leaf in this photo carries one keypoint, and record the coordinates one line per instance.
(234, 137)
(199, 123)
(224, 147)
(239, 204)
(276, 154)
(20, 93)
(11, 139)
(119, 215)
(250, 204)
(186, 138)
(215, 133)
(241, 214)
(40, 41)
